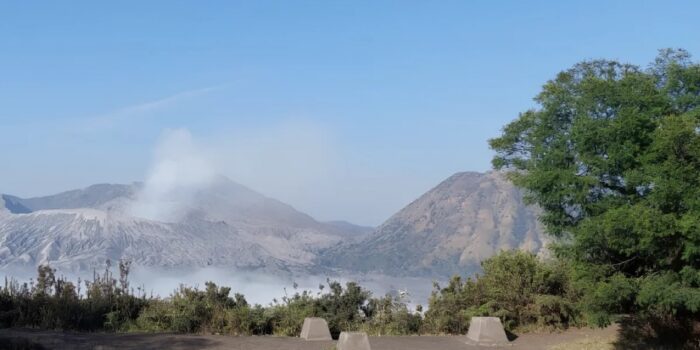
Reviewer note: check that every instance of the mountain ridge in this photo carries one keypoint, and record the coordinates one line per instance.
(448, 230)
(224, 224)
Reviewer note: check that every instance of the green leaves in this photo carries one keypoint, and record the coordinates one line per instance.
(516, 287)
(613, 158)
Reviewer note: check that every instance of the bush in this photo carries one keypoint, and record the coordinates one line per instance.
(55, 303)
(190, 310)
(390, 316)
(515, 286)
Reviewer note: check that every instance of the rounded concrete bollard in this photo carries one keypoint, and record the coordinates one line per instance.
(486, 331)
(353, 341)
(315, 328)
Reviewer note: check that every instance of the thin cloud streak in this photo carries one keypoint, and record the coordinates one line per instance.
(141, 110)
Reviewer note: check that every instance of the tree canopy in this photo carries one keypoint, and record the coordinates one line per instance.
(612, 156)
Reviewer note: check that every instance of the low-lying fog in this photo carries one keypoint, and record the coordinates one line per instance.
(258, 287)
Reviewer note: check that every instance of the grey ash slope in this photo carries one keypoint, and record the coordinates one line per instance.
(224, 224)
(90, 197)
(13, 205)
(448, 230)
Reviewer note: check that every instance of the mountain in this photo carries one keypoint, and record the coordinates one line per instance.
(91, 197)
(221, 224)
(348, 230)
(13, 205)
(448, 230)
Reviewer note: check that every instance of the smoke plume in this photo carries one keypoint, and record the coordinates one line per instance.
(179, 169)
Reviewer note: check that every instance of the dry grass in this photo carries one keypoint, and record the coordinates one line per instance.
(588, 343)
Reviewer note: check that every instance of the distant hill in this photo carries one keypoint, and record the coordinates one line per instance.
(222, 224)
(13, 205)
(350, 231)
(448, 230)
(90, 197)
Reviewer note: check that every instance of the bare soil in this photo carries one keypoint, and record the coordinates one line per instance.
(33, 339)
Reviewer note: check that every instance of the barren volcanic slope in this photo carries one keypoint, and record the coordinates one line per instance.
(449, 230)
(224, 224)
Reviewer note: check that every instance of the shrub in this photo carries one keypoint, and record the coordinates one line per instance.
(515, 286)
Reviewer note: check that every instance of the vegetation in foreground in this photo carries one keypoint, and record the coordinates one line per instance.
(516, 286)
(525, 292)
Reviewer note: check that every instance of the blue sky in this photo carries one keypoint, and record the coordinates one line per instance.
(344, 109)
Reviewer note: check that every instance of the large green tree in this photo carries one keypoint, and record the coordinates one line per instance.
(612, 156)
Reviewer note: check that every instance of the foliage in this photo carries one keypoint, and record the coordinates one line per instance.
(55, 303)
(390, 316)
(612, 155)
(515, 286)
(190, 310)
(110, 304)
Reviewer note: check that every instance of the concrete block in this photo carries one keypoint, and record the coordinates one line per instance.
(486, 331)
(353, 341)
(315, 328)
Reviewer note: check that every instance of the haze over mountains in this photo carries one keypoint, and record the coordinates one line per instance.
(448, 230)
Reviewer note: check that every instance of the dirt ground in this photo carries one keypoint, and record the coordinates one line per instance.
(31, 339)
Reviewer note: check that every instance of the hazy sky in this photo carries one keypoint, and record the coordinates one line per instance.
(344, 109)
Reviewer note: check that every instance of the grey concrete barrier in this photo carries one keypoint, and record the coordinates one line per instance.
(353, 341)
(315, 328)
(486, 331)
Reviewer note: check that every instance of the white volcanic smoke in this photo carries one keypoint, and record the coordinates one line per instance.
(294, 163)
(179, 169)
